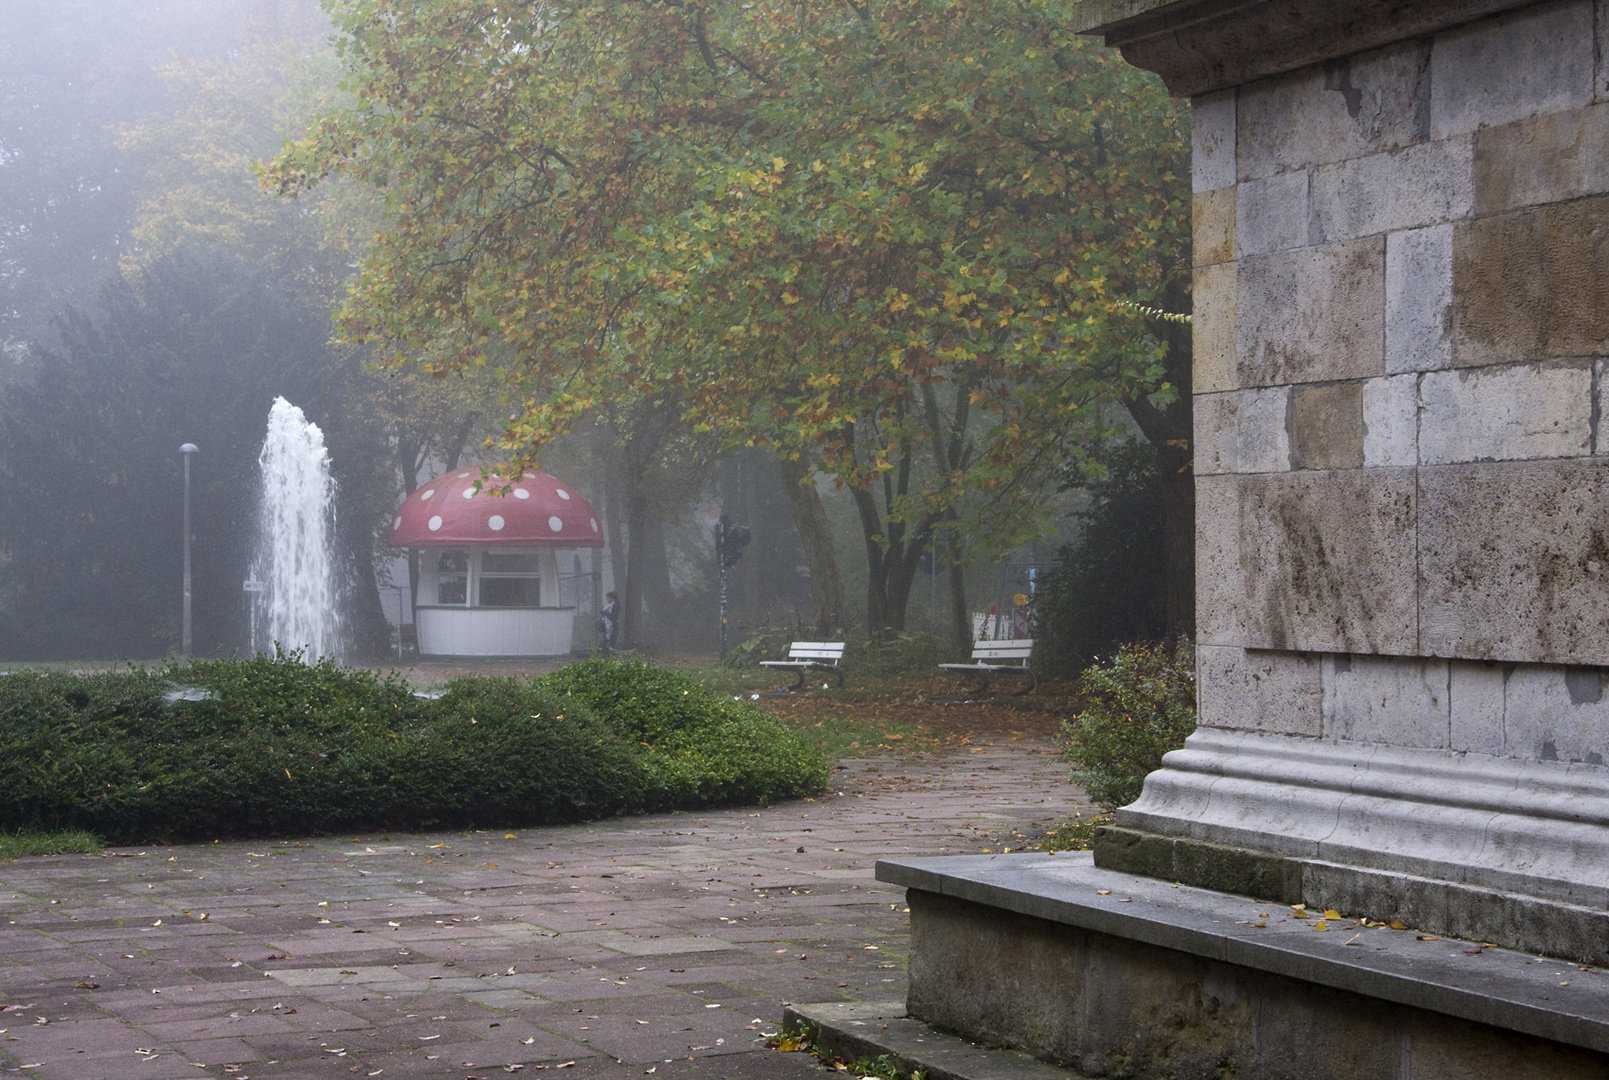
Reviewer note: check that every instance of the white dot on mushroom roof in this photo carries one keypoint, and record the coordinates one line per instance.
(530, 476)
(555, 524)
(495, 523)
(521, 493)
(427, 494)
(469, 493)
(396, 522)
(594, 524)
(435, 523)
(561, 493)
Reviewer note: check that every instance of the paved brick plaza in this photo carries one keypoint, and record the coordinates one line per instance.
(643, 939)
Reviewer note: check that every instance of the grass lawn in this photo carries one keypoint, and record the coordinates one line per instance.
(70, 842)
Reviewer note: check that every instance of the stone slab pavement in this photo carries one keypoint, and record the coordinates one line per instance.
(664, 945)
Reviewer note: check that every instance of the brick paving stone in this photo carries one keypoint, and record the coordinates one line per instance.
(667, 942)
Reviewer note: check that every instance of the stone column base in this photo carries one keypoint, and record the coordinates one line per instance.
(1494, 849)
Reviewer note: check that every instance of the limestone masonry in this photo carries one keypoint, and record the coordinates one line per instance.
(1401, 334)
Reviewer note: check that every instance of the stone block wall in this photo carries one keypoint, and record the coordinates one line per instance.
(1402, 330)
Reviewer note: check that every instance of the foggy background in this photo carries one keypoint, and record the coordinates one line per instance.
(150, 295)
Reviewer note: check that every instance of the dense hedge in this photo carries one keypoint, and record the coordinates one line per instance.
(286, 748)
(701, 747)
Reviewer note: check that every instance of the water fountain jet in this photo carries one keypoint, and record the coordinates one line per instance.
(294, 566)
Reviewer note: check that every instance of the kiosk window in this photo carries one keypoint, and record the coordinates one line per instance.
(452, 576)
(510, 579)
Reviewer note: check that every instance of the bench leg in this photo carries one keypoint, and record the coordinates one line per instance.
(1031, 679)
(798, 680)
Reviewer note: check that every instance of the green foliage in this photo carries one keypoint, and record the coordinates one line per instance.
(1139, 706)
(760, 645)
(701, 748)
(275, 747)
(1110, 586)
(25, 842)
(896, 657)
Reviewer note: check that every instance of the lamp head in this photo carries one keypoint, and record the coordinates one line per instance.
(189, 448)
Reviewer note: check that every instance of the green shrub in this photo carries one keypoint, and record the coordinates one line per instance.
(763, 644)
(700, 747)
(899, 657)
(1138, 706)
(276, 746)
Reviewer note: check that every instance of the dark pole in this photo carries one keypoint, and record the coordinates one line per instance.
(187, 449)
(720, 558)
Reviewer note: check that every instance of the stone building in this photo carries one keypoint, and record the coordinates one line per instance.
(1401, 239)
(1402, 319)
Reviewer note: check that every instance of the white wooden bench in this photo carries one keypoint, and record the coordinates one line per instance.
(806, 656)
(998, 658)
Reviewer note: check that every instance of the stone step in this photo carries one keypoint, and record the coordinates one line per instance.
(869, 1030)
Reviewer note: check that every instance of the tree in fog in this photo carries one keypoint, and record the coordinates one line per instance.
(91, 500)
(71, 71)
(1110, 585)
(914, 241)
(198, 191)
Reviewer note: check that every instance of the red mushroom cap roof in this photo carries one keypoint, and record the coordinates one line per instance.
(538, 511)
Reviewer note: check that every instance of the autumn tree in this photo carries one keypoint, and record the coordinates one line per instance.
(914, 239)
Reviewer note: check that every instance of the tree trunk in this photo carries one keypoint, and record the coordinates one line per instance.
(879, 617)
(960, 617)
(1169, 429)
(891, 564)
(657, 626)
(952, 452)
(409, 460)
(631, 606)
(370, 632)
(613, 529)
(831, 609)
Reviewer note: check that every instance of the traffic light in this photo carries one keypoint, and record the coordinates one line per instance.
(730, 540)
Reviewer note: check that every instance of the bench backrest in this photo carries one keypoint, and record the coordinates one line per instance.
(1016, 649)
(816, 650)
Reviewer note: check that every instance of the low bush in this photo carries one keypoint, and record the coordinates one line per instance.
(902, 656)
(1138, 706)
(699, 747)
(762, 644)
(274, 746)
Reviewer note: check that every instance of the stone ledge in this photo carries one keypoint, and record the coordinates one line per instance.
(1495, 987)
(1444, 907)
(1203, 45)
(872, 1029)
(1532, 828)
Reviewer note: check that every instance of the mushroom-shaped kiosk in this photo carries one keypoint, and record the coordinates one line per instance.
(489, 570)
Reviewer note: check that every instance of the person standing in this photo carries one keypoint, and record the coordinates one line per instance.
(609, 624)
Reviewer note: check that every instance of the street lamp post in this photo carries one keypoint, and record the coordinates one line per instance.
(187, 450)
